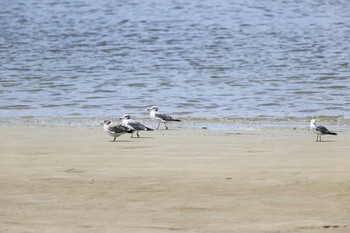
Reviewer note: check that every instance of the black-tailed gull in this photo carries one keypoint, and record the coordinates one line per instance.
(160, 117)
(319, 130)
(137, 126)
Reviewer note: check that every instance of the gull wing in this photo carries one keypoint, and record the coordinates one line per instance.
(165, 117)
(119, 128)
(322, 129)
(137, 125)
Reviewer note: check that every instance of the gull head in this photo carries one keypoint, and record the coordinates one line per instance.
(313, 121)
(126, 116)
(106, 122)
(153, 108)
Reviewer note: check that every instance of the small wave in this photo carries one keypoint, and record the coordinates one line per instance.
(16, 107)
(103, 91)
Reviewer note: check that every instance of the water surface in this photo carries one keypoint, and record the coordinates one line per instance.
(194, 59)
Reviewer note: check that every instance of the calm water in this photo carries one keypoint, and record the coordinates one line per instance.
(195, 59)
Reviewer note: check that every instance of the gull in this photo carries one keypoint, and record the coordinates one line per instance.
(160, 117)
(116, 129)
(319, 130)
(137, 126)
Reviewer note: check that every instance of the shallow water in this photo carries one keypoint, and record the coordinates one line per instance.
(197, 59)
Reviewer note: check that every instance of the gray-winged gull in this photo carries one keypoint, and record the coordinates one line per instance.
(160, 117)
(319, 130)
(137, 126)
(116, 129)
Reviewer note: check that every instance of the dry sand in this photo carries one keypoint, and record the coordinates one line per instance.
(72, 179)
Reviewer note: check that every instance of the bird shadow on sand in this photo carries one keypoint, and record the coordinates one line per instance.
(132, 139)
(141, 138)
(116, 141)
(325, 141)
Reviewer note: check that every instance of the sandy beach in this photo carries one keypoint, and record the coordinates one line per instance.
(73, 179)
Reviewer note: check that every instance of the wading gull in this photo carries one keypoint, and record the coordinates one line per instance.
(137, 126)
(160, 117)
(116, 129)
(319, 130)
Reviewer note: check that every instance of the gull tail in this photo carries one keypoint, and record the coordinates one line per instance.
(175, 119)
(149, 129)
(130, 130)
(332, 133)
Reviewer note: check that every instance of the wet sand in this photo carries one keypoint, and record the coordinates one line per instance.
(72, 179)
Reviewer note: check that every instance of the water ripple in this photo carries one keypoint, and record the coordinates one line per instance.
(199, 59)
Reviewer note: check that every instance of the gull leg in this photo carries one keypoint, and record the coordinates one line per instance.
(166, 127)
(131, 135)
(320, 137)
(114, 139)
(137, 133)
(158, 125)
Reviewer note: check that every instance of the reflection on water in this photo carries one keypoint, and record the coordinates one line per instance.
(206, 59)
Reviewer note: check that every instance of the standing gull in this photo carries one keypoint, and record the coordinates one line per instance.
(319, 130)
(116, 129)
(126, 120)
(160, 117)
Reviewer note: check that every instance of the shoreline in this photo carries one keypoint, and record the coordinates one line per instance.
(216, 124)
(73, 179)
